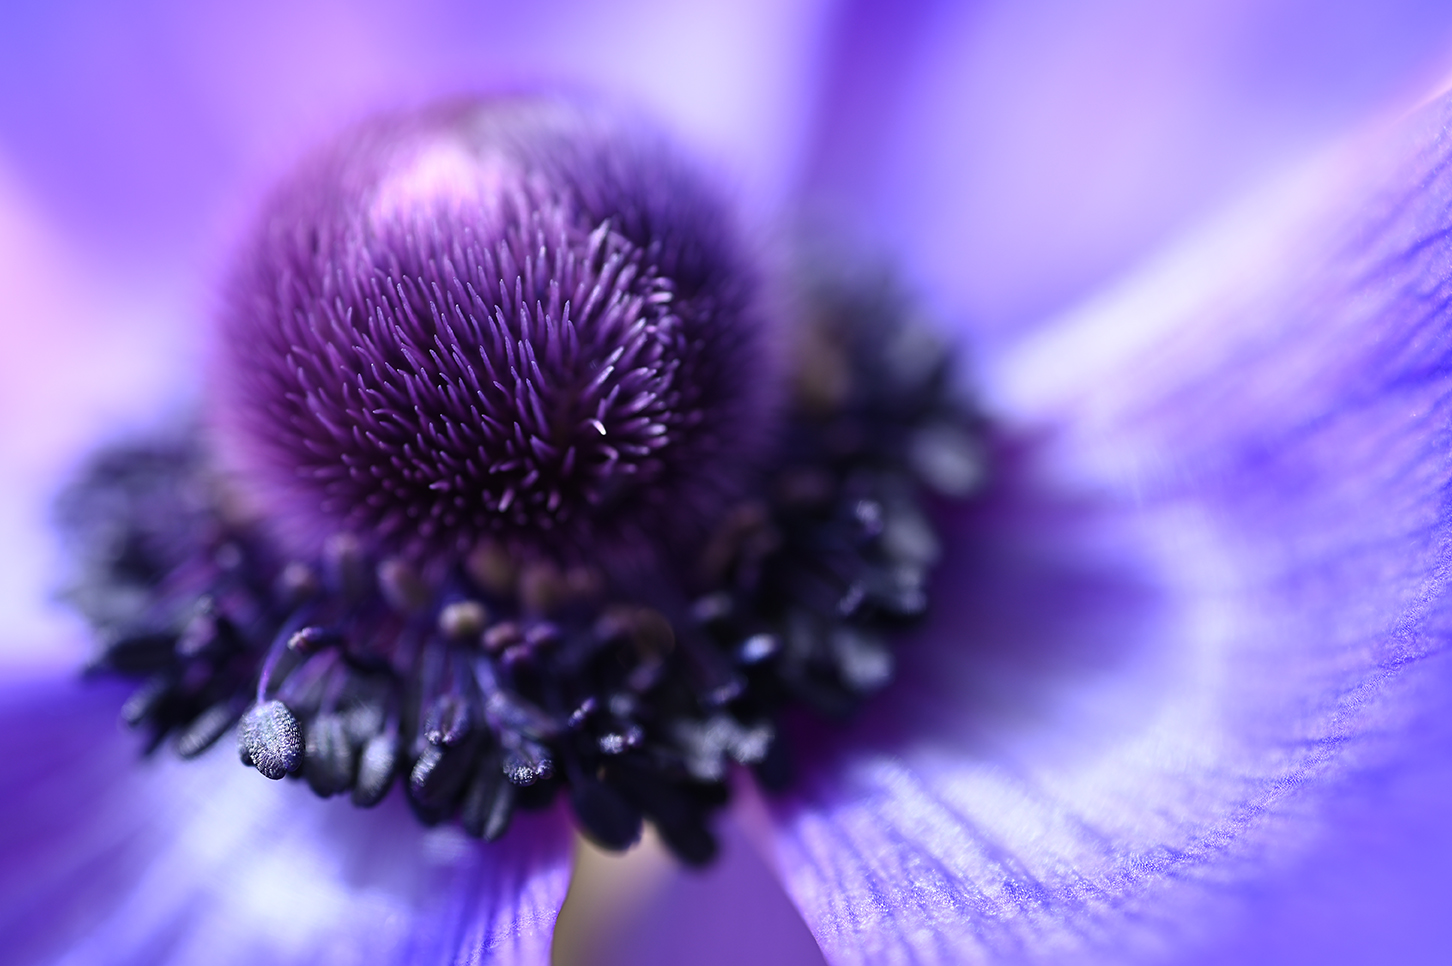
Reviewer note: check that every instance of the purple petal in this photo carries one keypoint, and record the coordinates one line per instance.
(1375, 890)
(1201, 625)
(733, 913)
(142, 128)
(107, 858)
(1015, 155)
(69, 374)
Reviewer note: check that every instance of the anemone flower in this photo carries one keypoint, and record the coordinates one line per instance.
(1178, 699)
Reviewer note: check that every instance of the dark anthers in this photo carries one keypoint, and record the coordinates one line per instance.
(496, 677)
(510, 685)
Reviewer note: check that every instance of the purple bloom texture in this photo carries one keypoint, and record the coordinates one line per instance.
(1182, 694)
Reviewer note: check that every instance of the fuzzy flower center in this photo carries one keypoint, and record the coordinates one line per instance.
(521, 514)
(494, 322)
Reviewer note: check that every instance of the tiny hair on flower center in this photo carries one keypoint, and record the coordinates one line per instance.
(513, 486)
(506, 320)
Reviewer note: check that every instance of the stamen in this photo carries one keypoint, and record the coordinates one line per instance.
(270, 739)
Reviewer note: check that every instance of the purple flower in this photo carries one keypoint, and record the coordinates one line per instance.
(1181, 698)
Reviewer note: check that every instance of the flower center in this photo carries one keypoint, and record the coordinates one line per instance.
(495, 320)
(520, 512)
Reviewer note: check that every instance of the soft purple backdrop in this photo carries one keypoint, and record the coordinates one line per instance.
(1015, 159)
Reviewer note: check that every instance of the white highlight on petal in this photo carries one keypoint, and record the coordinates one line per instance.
(80, 361)
(1199, 289)
(160, 860)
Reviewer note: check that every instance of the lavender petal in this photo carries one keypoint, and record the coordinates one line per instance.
(104, 858)
(1203, 621)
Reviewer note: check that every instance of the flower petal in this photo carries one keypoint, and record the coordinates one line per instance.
(107, 858)
(69, 374)
(1016, 156)
(732, 913)
(1204, 611)
(141, 128)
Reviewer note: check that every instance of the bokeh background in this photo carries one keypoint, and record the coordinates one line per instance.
(1009, 157)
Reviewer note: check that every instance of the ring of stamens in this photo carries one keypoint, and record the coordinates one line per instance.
(508, 680)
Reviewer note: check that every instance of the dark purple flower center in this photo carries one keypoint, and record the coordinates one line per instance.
(523, 513)
(496, 320)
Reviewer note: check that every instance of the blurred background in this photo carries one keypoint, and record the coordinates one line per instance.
(1009, 157)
